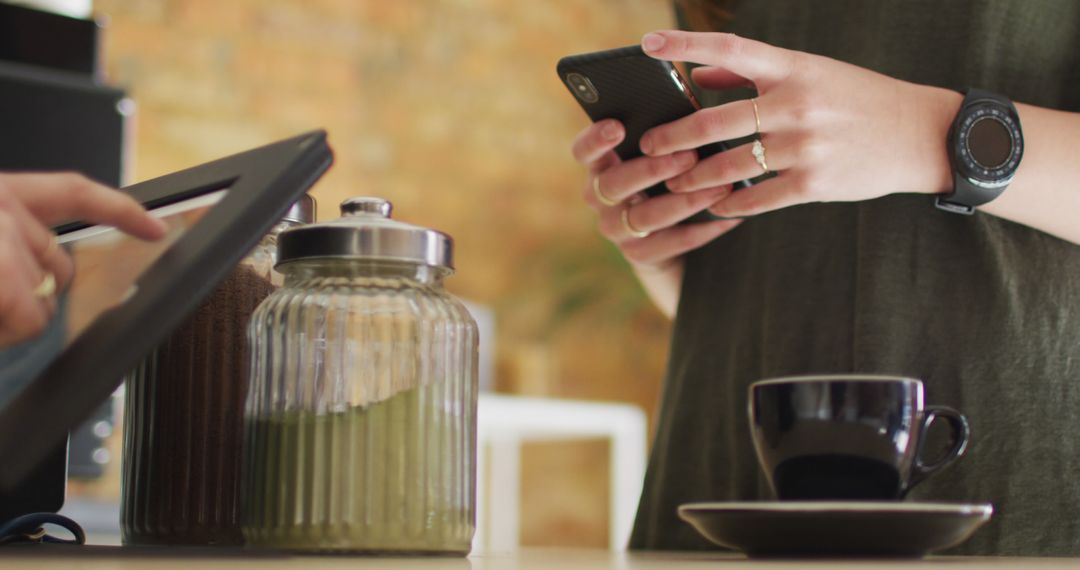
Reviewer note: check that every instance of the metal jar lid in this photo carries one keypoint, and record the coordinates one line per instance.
(365, 231)
(302, 211)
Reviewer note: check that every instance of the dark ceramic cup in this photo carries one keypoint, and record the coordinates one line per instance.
(855, 437)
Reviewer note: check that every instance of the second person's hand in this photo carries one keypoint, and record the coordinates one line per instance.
(831, 131)
(646, 229)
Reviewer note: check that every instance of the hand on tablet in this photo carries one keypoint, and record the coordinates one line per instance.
(33, 267)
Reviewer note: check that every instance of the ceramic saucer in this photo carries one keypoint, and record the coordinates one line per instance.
(826, 528)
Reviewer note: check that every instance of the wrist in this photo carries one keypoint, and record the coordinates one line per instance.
(939, 109)
(985, 149)
(664, 268)
(662, 283)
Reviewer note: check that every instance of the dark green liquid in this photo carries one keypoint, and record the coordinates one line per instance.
(396, 475)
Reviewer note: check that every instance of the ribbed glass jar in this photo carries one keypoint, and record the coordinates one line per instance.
(183, 421)
(361, 418)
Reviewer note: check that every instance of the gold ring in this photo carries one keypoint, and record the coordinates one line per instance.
(630, 229)
(600, 197)
(46, 288)
(758, 150)
(757, 118)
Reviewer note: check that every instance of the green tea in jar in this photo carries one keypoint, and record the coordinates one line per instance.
(360, 421)
(377, 476)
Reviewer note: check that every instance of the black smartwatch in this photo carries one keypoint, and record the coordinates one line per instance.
(985, 148)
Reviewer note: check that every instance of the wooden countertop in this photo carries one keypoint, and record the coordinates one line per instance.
(47, 557)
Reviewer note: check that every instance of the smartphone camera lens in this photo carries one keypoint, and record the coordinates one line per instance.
(582, 87)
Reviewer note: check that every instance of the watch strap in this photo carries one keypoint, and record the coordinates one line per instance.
(966, 196)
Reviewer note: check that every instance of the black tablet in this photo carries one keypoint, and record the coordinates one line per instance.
(128, 295)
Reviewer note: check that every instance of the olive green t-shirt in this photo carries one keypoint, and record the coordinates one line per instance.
(985, 311)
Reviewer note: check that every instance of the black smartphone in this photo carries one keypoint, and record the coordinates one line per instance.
(639, 91)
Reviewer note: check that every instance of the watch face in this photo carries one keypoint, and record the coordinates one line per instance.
(988, 143)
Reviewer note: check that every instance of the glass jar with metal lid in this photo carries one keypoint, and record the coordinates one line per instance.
(361, 418)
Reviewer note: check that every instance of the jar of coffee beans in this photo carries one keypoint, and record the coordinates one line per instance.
(183, 428)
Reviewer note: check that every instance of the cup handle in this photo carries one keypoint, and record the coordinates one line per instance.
(961, 433)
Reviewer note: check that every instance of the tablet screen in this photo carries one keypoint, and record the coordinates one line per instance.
(108, 263)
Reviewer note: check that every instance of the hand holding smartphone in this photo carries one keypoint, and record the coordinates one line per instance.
(640, 92)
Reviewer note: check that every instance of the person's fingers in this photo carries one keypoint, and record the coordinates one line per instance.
(35, 273)
(54, 260)
(718, 78)
(724, 122)
(19, 249)
(59, 197)
(739, 163)
(37, 236)
(658, 213)
(22, 315)
(628, 178)
(672, 242)
(754, 60)
(606, 161)
(57, 261)
(594, 141)
(788, 189)
(40, 240)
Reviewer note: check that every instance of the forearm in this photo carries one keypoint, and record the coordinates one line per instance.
(1045, 194)
(662, 285)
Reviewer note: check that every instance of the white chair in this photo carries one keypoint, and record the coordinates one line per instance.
(505, 422)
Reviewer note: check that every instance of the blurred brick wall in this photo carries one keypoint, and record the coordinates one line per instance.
(452, 110)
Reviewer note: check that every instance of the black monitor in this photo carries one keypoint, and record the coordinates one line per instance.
(49, 40)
